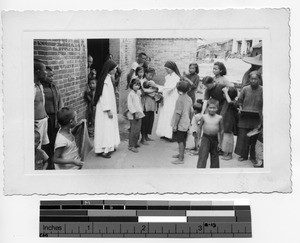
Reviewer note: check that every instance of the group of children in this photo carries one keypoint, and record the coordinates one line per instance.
(142, 104)
(212, 127)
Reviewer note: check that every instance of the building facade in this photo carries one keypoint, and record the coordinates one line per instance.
(68, 59)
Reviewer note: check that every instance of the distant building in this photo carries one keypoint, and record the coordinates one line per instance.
(221, 48)
(214, 48)
(257, 49)
(243, 46)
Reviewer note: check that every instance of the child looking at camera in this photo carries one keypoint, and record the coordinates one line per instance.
(135, 114)
(66, 153)
(193, 79)
(220, 71)
(194, 129)
(140, 72)
(212, 125)
(181, 119)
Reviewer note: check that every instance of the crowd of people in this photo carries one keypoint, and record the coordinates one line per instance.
(213, 122)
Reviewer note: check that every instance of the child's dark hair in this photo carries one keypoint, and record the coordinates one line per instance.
(213, 102)
(232, 93)
(149, 70)
(183, 86)
(207, 80)
(197, 107)
(90, 80)
(64, 115)
(133, 82)
(223, 70)
(200, 101)
(138, 69)
(142, 54)
(196, 67)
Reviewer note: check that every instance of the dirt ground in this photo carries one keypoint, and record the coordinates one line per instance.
(158, 154)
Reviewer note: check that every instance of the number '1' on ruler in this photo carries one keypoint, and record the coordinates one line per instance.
(133, 218)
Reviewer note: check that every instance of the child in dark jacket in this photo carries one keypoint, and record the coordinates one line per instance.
(90, 113)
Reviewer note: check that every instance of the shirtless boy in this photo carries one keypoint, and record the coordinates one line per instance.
(212, 125)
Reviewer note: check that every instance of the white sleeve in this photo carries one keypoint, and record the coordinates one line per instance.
(60, 142)
(105, 98)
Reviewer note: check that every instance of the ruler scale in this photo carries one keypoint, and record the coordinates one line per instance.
(145, 219)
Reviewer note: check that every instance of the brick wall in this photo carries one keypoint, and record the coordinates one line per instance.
(68, 59)
(181, 51)
(114, 49)
(127, 57)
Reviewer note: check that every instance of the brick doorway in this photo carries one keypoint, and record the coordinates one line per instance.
(99, 50)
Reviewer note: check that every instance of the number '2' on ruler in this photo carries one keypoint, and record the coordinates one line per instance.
(133, 218)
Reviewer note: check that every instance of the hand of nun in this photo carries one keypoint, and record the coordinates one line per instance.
(110, 115)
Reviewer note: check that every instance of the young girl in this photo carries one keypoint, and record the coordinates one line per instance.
(135, 114)
(66, 154)
(149, 99)
(229, 114)
(89, 99)
(193, 79)
(220, 71)
(140, 73)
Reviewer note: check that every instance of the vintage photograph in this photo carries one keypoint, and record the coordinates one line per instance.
(112, 105)
(148, 103)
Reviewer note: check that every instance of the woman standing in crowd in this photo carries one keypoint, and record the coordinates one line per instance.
(256, 64)
(170, 96)
(193, 79)
(220, 71)
(107, 136)
(251, 102)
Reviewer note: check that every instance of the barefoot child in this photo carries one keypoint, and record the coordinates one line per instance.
(135, 114)
(181, 119)
(66, 153)
(40, 156)
(194, 130)
(212, 125)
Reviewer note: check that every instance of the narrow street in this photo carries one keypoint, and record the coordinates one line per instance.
(158, 154)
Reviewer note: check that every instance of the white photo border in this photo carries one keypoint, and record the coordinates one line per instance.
(21, 28)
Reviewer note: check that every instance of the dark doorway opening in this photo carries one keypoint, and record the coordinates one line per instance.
(99, 50)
